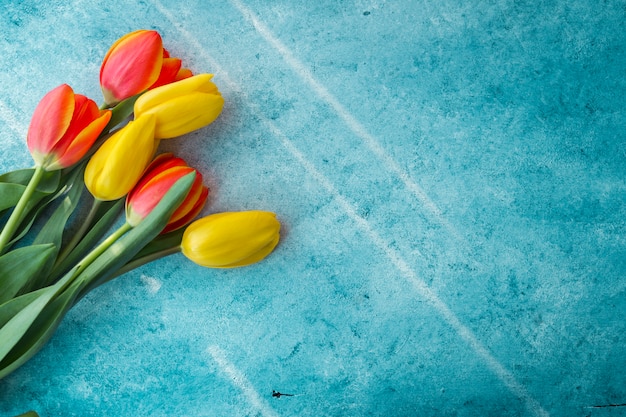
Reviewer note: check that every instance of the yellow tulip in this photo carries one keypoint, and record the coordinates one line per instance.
(181, 107)
(116, 167)
(228, 240)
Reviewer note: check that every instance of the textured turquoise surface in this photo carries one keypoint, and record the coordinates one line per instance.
(451, 179)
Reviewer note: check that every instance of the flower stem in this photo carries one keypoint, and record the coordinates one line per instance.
(18, 212)
(80, 233)
(87, 260)
(146, 259)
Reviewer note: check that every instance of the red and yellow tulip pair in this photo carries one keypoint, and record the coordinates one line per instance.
(135, 63)
(165, 112)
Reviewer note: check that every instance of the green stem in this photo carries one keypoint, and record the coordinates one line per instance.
(87, 260)
(18, 212)
(146, 259)
(84, 227)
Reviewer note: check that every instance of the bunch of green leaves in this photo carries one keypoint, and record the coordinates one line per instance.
(57, 255)
(29, 317)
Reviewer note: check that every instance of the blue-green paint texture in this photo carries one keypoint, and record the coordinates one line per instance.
(450, 176)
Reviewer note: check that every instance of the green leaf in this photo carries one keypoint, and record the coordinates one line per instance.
(161, 243)
(10, 194)
(121, 112)
(19, 313)
(53, 229)
(106, 219)
(39, 332)
(125, 248)
(51, 186)
(13, 184)
(159, 247)
(40, 201)
(48, 184)
(28, 321)
(16, 327)
(19, 266)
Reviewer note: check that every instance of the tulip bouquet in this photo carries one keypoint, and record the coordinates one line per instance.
(101, 201)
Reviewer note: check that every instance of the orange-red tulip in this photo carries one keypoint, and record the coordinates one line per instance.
(63, 128)
(131, 65)
(159, 177)
(171, 71)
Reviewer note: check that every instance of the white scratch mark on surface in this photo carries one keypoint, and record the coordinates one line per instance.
(357, 128)
(418, 284)
(240, 381)
(504, 375)
(153, 285)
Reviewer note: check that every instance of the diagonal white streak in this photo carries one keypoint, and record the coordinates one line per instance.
(504, 375)
(353, 124)
(240, 381)
(7, 115)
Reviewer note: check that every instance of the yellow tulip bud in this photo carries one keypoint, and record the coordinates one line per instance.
(116, 167)
(228, 240)
(181, 107)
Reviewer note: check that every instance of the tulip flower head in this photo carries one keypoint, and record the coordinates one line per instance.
(119, 163)
(233, 239)
(171, 71)
(181, 107)
(131, 66)
(159, 177)
(63, 128)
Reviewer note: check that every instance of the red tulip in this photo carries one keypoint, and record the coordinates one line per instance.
(131, 65)
(171, 71)
(159, 177)
(63, 128)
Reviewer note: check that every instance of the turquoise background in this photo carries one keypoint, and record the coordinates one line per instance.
(450, 179)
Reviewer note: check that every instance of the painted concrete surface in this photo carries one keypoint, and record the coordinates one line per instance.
(450, 178)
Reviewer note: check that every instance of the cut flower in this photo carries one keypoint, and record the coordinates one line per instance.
(116, 167)
(232, 239)
(181, 107)
(63, 128)
(131, 66)
(159, 177)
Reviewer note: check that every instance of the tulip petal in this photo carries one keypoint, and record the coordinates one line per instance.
(231, 239)
(50, 120)
(183, 73)
(190, 215)
(85, 112)
(119, 163)
(144, 200)
(162, 161)
(156, 180)
(257, 256)
(192, 198)
(185, 114)
(131, 65)
(152, 98)
(83, 142)
(169, 70)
